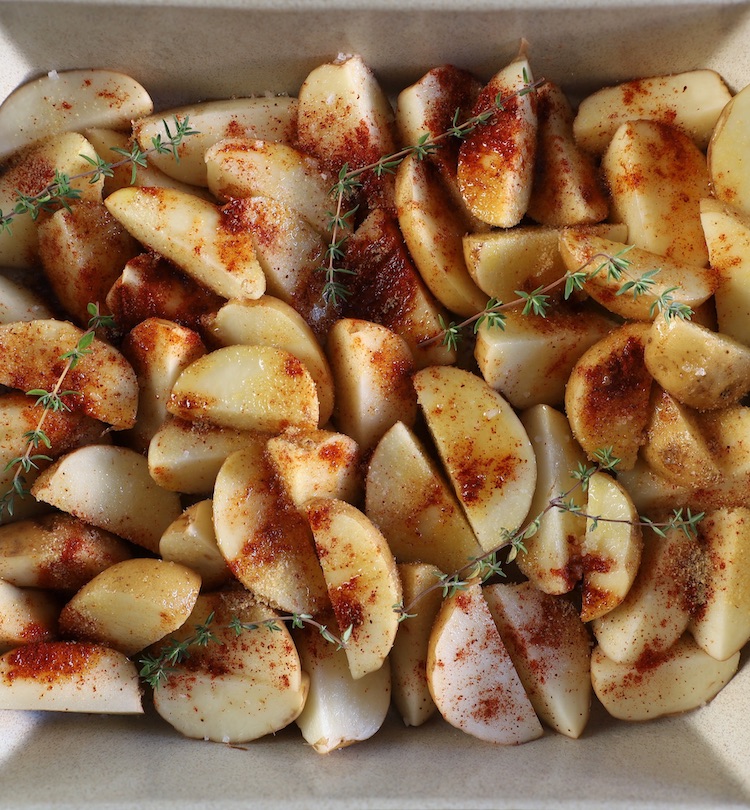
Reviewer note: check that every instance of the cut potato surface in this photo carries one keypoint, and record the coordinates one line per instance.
(26, 615)
(727, 153)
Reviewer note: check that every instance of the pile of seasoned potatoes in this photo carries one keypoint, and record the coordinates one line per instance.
(240, 448)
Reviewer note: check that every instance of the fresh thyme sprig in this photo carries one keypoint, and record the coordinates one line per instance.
(156, 669)
(54, 401)
(335, 291)
(60, 192)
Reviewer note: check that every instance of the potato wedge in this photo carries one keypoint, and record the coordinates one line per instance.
(550, 649)
(199, 237)
(239, 687)
(70, 100)
(191, 541)
(69, 676)
(496, 161)
(607, 398)
(415, 508)
(101, 484)
(657, 177)
(484, 448)
(727, 153)
(269, 118)
(552, 560)
(269, 321)
(471, 676)
(131, 604)
(611, 546)
(265, 541)
(340, 710)
(679, 680)
(566, 189)
(57, 551)
(361, 578)
(18, 303)
(103, 382)
(411, 693)
(692, 101)
(27, 616)
(700, 368)
(372, 368)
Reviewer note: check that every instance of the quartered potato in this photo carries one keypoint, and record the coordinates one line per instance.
(340, 710)
(199, 237)
(471, 676)
(131, 604)
(550, 649)
(266, 542)
(102, 385)
(191, 541)
(657, 177)
(407, 497)
(272, 118)
(57, 551)
(361, 578)
(372, 368)
(682, 678)
(247, 388)
(239, 687)
(566, 189)
(608, 394)
(698, 367)
(269, 321)
(611, 548)
(27, 615)
(18, 303)
(496, 161)
(100, 485)
(692, 101)
(71, 100)
(484, 448)
(69, 676)
(727, 153)
(411, 693)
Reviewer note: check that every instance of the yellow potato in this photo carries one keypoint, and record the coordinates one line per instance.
(27, 616)
(727, 153)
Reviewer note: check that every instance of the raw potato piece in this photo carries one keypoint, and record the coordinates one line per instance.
(682, 679)
(199, 237)
(372, 369)
(265, 541)
(247, 388)
(101, 485)
(272, 119)
(721, 626)
(411, 693)
(69, 676)
(471, 676)
(611, 548)
(69, 100)
(484, 448)
(608, 395)
(727, 153)
(700, 368)
(433, 229)
(191, 541)
(552, 557)
(239, 687)
(682, 283)
(57, 551)
(409, 500)
(566, 188)
(132, 604)
(550, 649)
(657, 177)
(361, 578)
(103, 382)
(26, 615)
(691, 101)
(496, 161)
(269, 321)
(17, 303)
(339, 709)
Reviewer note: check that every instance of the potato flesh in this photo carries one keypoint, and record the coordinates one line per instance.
(26, 615)
(727, 153)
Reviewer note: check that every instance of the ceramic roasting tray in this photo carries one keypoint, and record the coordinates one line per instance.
(198, 50)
